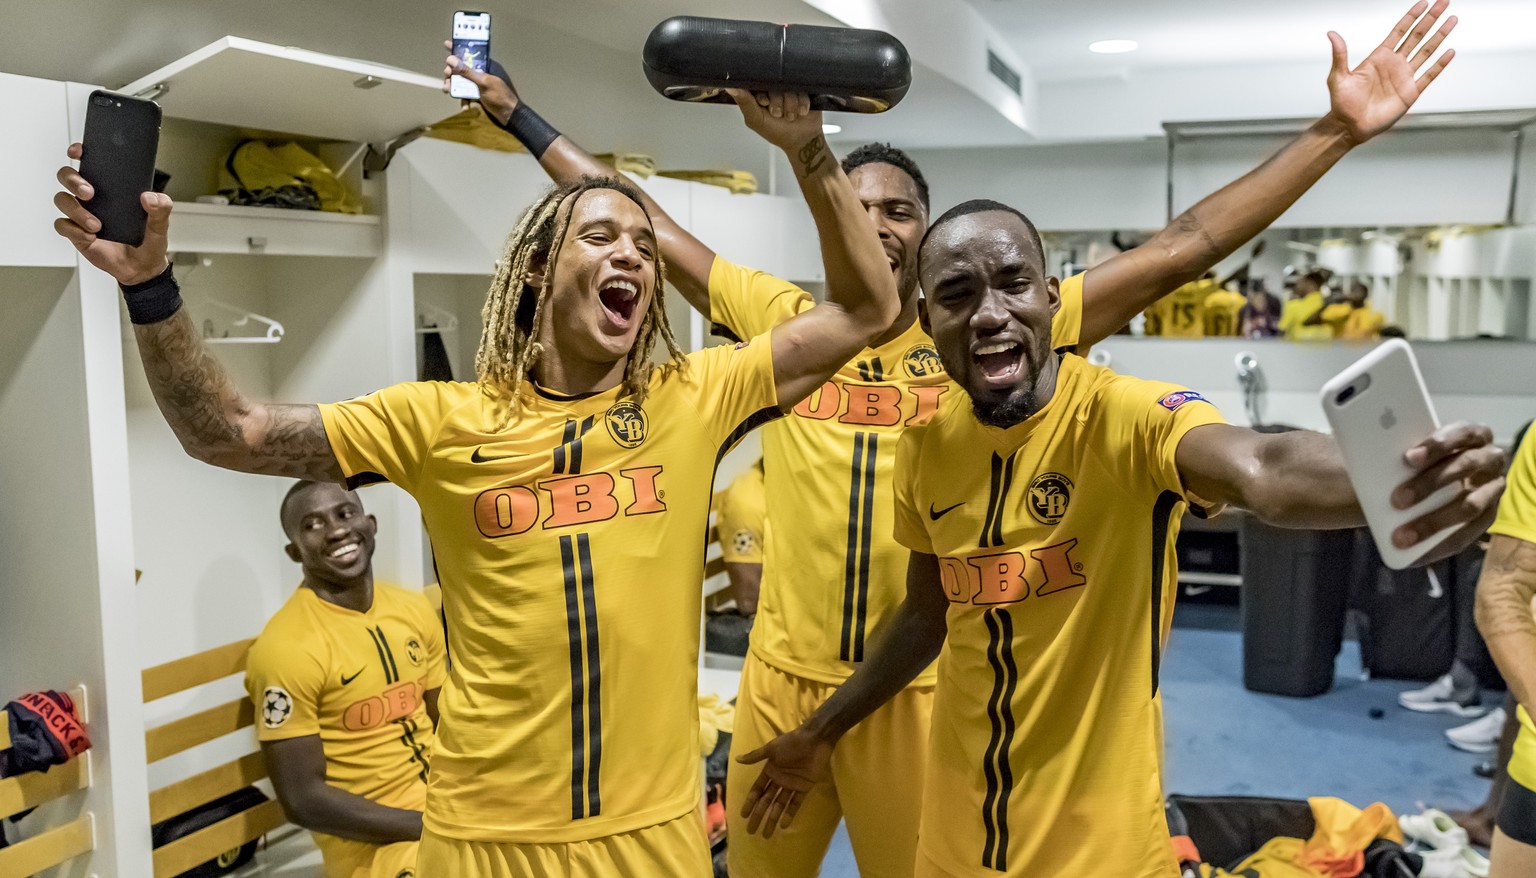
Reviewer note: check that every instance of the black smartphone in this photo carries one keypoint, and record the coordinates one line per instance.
(472, 46)
(118, 160)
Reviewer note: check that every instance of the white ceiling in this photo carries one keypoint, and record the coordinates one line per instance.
(1052, 36)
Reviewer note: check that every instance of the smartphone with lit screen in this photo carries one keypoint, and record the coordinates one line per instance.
(472, 46)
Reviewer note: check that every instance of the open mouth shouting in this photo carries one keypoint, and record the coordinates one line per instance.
(620, 298)
(1000, 362)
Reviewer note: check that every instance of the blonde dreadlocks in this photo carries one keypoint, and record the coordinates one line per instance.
(514, 308)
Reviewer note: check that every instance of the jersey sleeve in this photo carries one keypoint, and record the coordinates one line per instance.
(1336, 313)
(740, 522)
(1154, 416)
(748, 302)
(910, 530)
(733, 389)
(1517, 510)
(384, 435)
(1067, 323)
(284, 682)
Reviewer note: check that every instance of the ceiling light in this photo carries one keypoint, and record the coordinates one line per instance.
(829, 128)
(1112, 47)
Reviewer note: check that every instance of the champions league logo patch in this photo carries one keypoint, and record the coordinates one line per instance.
(1179, 397)
(276, 707)
(921, 361)
(626, 424)
(745, 542)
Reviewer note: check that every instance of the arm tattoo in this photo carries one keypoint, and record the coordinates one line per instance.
(813, 154)
(215, 423)
(1190, 231)
(1505, 590)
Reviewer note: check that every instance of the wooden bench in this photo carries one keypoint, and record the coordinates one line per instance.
(56, 845)
(181, 735)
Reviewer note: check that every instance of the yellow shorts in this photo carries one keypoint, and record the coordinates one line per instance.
(345, 858)
(877, 779)
(675, 849)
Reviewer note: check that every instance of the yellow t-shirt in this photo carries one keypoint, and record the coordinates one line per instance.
(1293, 316)
(1355, 324)
(1181, 313)
(570, 549)
(1517, 509)
(833, 572)
(742, 519)
(356, 680)
(1221, 313)
(1055, 539)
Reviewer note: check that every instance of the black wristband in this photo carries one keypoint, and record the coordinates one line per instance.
(153, 300)
(530, 128)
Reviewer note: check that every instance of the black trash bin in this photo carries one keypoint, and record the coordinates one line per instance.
(1408, 625)
(1295, 589)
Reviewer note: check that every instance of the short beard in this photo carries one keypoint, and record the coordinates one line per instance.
(906, 285)
(1018, 407)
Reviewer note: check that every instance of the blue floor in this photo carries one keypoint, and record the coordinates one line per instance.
(1223, 739)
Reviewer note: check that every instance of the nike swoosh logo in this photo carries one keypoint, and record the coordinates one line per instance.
(940, 513)
(345, 679)
(477, 457)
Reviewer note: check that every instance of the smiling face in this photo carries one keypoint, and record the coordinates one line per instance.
(603, 281)
(890, 198)
(990, 305)
(329, 534)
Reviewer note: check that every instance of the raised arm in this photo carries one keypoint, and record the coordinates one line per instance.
(1504, 613)
(297, 769)
(688, 259)
(861, 291)
(1364, 102)
(214, 422)
(799, 759)
(1298, 480)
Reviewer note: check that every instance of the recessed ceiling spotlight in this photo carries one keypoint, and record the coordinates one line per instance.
(829, 128)
(1112, 47)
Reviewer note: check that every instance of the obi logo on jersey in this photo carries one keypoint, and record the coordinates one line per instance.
(1179, 397)
(921, 361)
(567, 501)
(395, 703)
(1010, 577)
(1049, 495)
(626, 424)
(870, 405)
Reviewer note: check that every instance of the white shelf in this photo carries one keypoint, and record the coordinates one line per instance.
(248, 84)
(220, 228)
(1193, 577)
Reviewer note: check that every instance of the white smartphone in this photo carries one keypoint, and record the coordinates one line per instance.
(472, 45)
(1379, 409)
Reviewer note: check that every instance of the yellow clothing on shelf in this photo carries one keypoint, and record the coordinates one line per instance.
(569, 551)
(1055, 541)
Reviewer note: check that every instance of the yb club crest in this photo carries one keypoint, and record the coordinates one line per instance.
(921, 361)
(1049, 495)
(626, 424)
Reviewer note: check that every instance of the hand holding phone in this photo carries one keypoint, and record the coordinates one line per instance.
(472, 46)
(122, 135)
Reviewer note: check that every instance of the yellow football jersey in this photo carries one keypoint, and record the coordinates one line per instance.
(1181, 313)
(570, 548)
(1517, 509)
(742, 518)
(1055, 540)
(1221, 313)
(832, 572)
(1294, 314)
(1354, 324)
(356, 680)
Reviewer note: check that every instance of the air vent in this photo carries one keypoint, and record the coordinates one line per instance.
(1005, 74)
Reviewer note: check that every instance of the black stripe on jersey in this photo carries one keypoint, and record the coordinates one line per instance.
(1162, 514)
(388, 653)
(753, 421)
(997, 495)
(565, 439)
(851, 556)
(578, 680)
(877, 369)
(864, 370)
(594, 678)
(576, 445)
(383, 662)
(418, 751)
(997, 768)
(861, 604)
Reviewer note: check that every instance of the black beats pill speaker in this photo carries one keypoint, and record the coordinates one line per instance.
(688, 58)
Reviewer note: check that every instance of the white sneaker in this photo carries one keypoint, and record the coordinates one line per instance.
(1441, 697)
(1434, 828)
(1480, 735)
(1461, 862)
